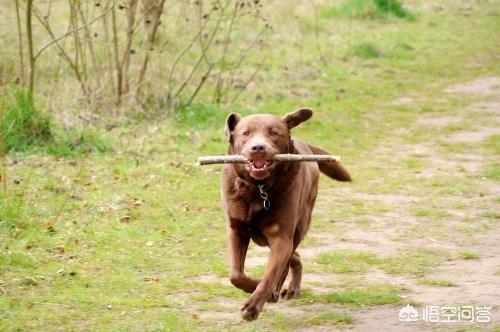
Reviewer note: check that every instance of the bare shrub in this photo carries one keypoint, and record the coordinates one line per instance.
(139, 53)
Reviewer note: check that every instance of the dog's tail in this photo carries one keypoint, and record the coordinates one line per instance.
(332, 169)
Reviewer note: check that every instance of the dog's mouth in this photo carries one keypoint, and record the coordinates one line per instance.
(259, 165)
(259, 168)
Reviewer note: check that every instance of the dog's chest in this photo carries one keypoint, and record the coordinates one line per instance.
(252, 219)
(258, 222)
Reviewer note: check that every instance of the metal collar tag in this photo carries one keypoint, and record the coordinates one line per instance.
(265, 198)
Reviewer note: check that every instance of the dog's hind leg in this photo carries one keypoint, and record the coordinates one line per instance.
(293, 289)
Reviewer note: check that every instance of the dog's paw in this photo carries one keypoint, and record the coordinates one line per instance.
(275, 296)
(290, 293)
(250, 314)
(251, 310)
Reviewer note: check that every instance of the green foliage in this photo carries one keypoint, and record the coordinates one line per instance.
(370, 9)
(24, 128)
(22, 125)
(393, 7)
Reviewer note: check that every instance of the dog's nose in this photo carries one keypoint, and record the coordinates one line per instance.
(258, 147)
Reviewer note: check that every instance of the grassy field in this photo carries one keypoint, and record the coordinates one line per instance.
(132, 236)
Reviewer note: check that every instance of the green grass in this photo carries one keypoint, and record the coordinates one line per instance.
(366, 51)
(468, 255)
(491, 214)
(437, 282)
(492, 172)
(135, 226)
(12, 212)
(346, 261)
(284, 322)
(376, 294)
(333, 317)
(415, 262)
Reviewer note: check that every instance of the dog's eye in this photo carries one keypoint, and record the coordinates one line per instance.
(274, 132)
(246, 133)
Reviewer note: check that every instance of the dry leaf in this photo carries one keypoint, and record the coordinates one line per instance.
(48, 224)
(151, 279)
(150, 244)
(125, 219)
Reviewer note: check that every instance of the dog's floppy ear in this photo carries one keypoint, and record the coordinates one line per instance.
(295, 118)
(231, 122)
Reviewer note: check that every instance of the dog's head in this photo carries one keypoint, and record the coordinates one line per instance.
(259, 137)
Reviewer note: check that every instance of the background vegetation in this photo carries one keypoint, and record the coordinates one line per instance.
(105, 222)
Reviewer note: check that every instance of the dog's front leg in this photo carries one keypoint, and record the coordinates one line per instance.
(281, 251)
(238, 246)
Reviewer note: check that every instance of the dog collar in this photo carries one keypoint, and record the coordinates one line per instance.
(265, 197)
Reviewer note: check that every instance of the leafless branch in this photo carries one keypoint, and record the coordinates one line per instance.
(69, 33)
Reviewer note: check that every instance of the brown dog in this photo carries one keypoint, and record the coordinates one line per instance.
(270, 202)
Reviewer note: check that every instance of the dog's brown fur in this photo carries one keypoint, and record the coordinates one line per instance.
(292, 189)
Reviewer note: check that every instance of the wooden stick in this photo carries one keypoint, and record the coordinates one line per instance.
(239, 159)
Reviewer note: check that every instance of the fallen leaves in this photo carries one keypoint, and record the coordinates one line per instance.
(152, 279)
(130, 207)
(125, 218)
(60, 248)
(49, 225)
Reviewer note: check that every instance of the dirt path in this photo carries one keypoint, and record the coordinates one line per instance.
(477, 281)
(464, 228)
